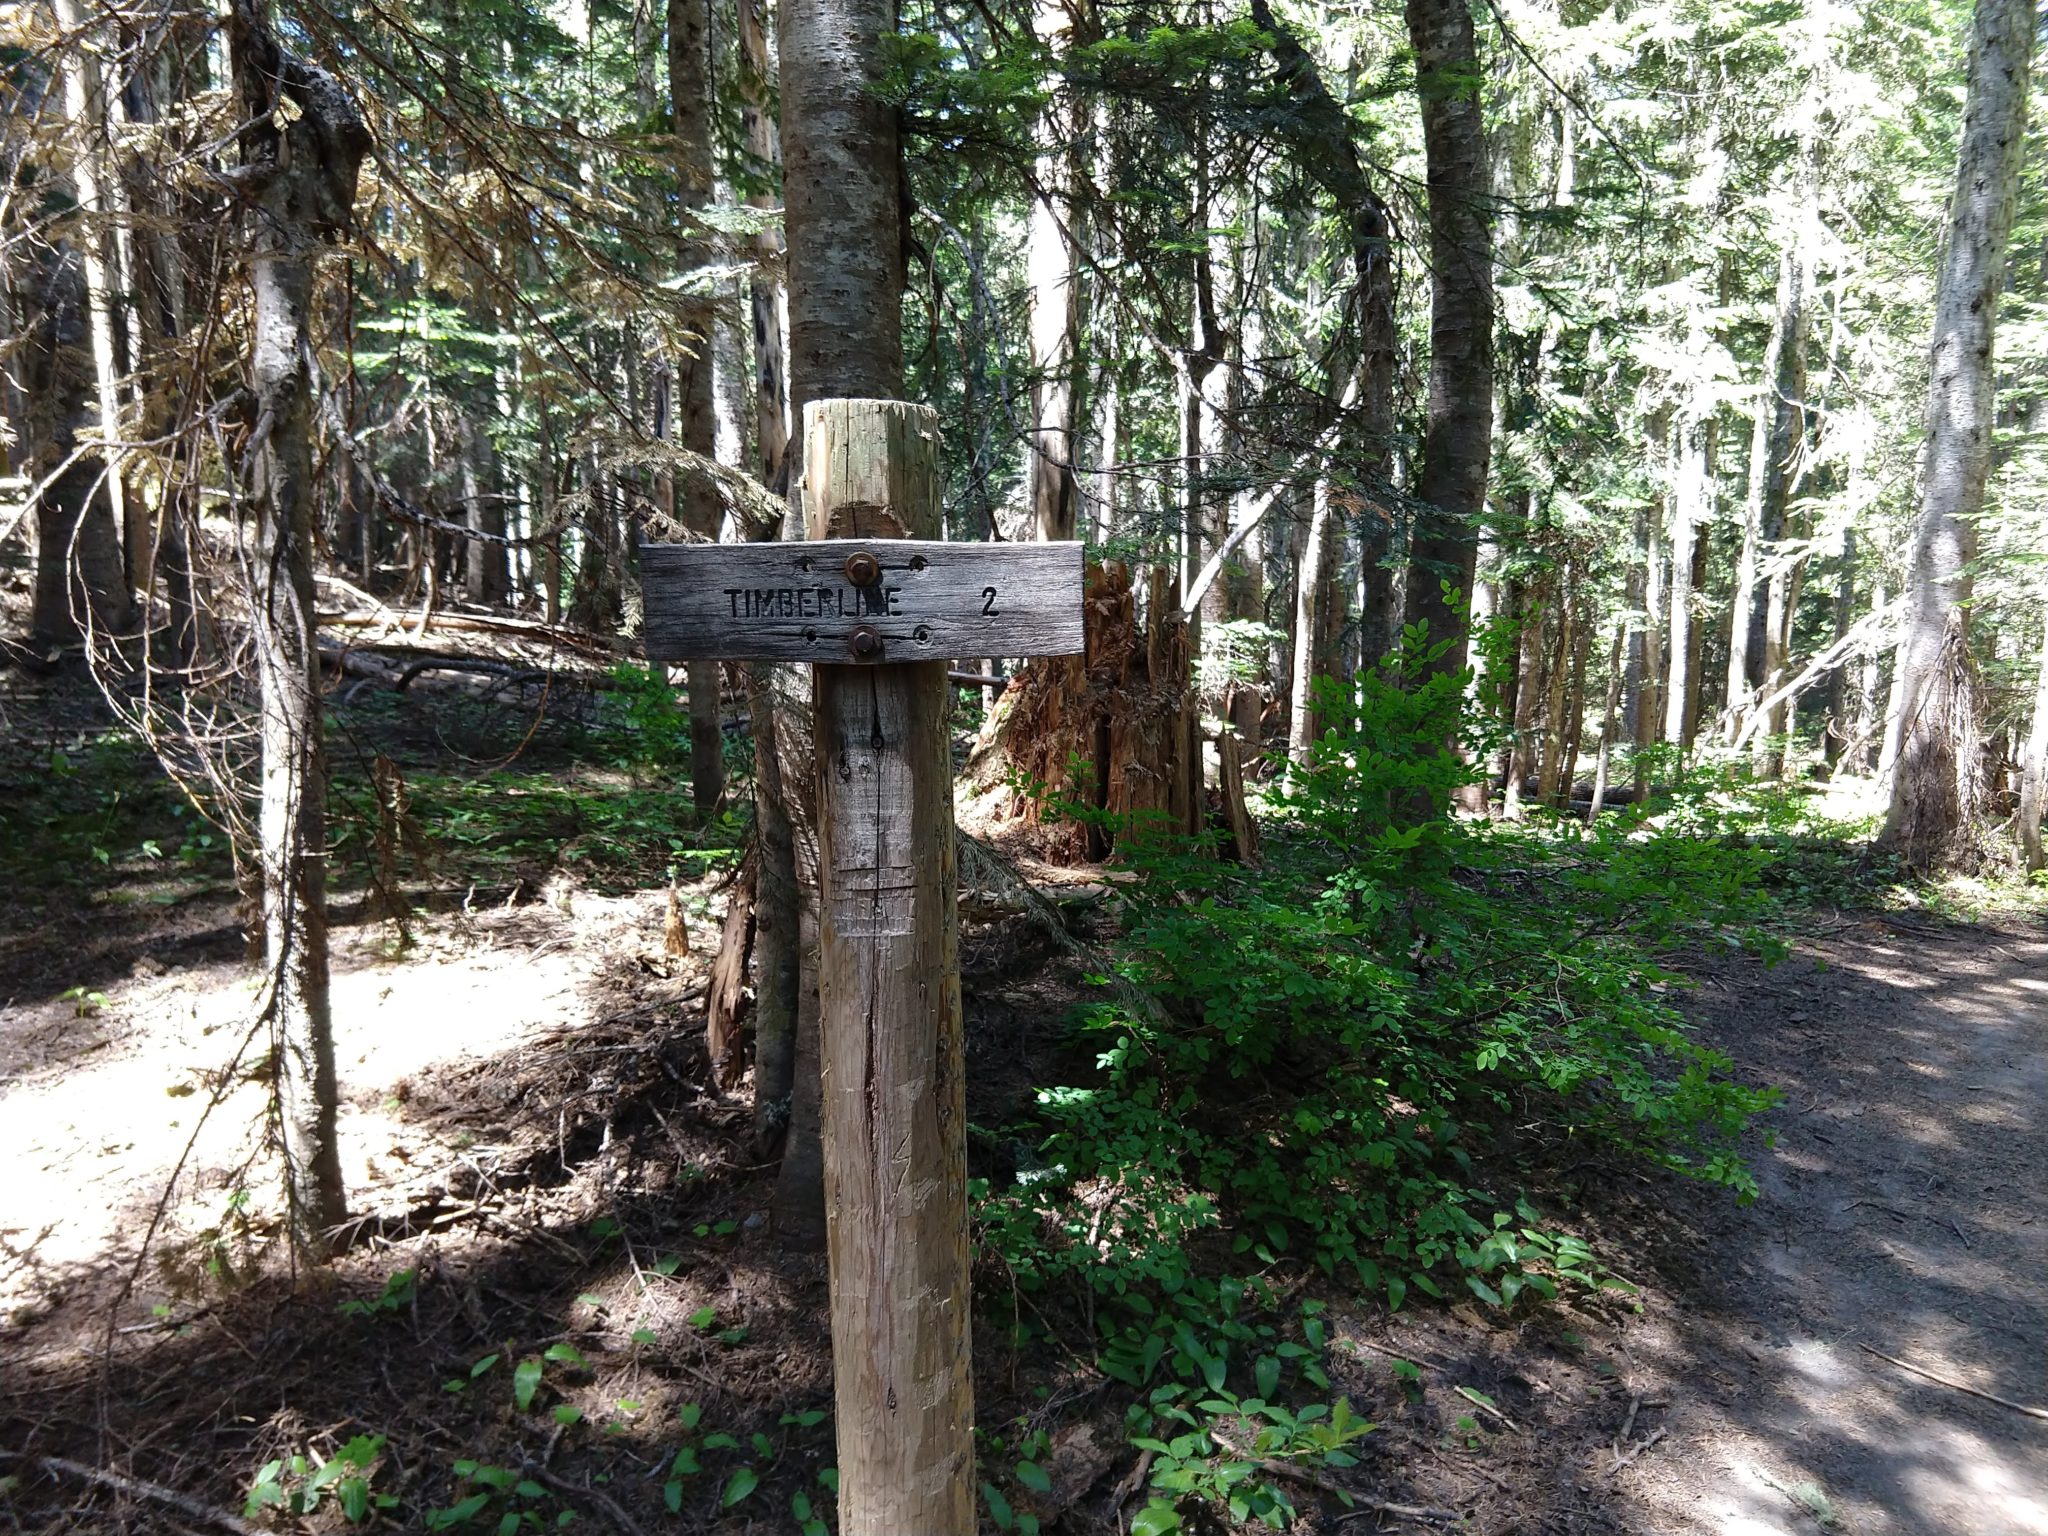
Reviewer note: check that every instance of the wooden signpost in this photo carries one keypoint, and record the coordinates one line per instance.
(881, 607)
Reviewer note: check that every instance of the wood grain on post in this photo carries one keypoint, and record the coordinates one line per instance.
(895, 1111)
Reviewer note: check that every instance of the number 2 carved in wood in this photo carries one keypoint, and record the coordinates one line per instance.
(988, 601)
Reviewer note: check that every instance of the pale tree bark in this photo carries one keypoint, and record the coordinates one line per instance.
(1052, 268)
(78, 573)
(1930, 746)
(300, 181)
(843, 209)
(689, 89)
(85, 103)
(1312, 590)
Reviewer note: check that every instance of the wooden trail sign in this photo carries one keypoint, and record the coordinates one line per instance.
(882, 629)
(860, 600)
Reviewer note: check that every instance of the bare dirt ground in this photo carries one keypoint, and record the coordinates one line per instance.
(531, 1135)
(1904, 1210)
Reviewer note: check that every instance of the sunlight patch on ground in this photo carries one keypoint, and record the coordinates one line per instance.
(89, 1139)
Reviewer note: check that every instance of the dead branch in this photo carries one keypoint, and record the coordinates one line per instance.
(1957, 1386)
(135, 1487)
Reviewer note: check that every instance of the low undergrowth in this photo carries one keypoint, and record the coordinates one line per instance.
(1351, 1056)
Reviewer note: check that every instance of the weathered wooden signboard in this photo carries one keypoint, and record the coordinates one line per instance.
(881, 615)
(860, 600)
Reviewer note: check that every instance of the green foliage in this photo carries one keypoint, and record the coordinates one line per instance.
(641, 724)
(1306, 1054)
(401, 1289)
(293, 1485)
(98, 811)
(518, 1503)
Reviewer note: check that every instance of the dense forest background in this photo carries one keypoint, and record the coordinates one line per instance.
(1565, 499)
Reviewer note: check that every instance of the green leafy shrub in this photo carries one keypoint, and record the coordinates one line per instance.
(1302, 1057)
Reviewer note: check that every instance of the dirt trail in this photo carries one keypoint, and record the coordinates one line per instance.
(1905, 1208)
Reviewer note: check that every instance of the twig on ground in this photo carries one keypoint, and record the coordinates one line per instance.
(1294, 1472)
(1627, 1424)
(1957, 1386)
(135, 1487)
(1395, 1354)
(1478, 1400)
(1641, 1446)
(1398, 1511)
(165, 1324)
(610, 1505)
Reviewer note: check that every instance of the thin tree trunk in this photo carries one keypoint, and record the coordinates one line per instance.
(1929, 733)
(766, 294)
(1608, 721)
(1555, 697)
(85, 101)
(2034, 765)
(1052, 276)
(1691, 506)
(1777, 426)
(1531, 672)
(1574, 715)
(1311, 591)
(689, 87)
(1835, 733)
(302, 182)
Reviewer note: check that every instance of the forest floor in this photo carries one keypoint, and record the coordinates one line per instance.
(543, 1173)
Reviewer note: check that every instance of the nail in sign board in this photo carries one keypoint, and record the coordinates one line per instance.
(860, 600)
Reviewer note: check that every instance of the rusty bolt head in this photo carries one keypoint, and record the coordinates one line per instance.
(863, 569)
(865, 642)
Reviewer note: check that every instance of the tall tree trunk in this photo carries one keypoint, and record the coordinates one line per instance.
(1930, 727)
(1457, 433)
(98, 190)
(842, 182)
(301, 181)
(1777, 428)
(766, 294)
(689, 89)
(1052, 268)
(779, 904)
